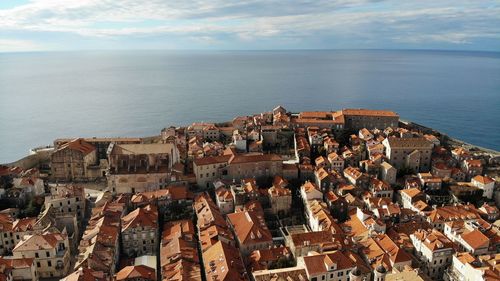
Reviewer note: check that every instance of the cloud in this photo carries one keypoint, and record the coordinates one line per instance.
(14, 45)
(235, 23)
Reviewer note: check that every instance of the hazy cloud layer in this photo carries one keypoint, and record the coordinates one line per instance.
(216, 24)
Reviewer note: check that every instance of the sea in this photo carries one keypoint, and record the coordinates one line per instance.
(49, 95)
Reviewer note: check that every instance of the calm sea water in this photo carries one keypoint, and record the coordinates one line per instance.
(44, 96)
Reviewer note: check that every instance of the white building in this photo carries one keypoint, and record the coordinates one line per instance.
(485, 183)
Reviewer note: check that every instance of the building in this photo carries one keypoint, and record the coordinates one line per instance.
(332, 266)
(485, 183)
(140, 167)
(380, 188)
(99, 247)
(287, 273)
(140, 232)
(413, 153)
(301, 243)
(22, 269)
(250, 230)
(51, 253)
(410, 196)
(357, 119)
(74, 161)
(179, 258)
(208, 169)
(86, 274)
(235, 166)
(280, 199)
(67, 200)
(435, 250)
(387, 173)
(100, 144)
(472, 167)
(336, 162)
(441, 215)
(224, 199)
(466, 267)
(223, 262)
(270, 258)
(384, 255)
(136, 273)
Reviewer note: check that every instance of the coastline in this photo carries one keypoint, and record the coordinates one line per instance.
(42, 154)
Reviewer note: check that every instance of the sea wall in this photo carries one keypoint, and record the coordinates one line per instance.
(32, 160)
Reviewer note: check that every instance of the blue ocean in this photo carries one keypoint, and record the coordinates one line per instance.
(44, 96)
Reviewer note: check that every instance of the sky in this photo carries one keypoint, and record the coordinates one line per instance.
(52, 25)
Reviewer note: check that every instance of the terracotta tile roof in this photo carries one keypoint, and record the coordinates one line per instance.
(135, 272)
(207, 212)
(213, 234)
(259, 258)
(279, 191)
(380, 185)
(309, 186)
(412, 192)
(223, 263)
(173, 192)
(6, 222)
(85, 274)
(355, 173)
(181, 270)
(321, 264)
(382, 250)
(434, 240)
(24, 224)
(16, 262)
(40, 241)
(222, 159)
(368, 112)
(251, 158)
(483, 179)
(250, 227)
(409, 142)
(141, 217)
(476, 239)
(79, 145)
(324, 237)
(451, 213)
(224, 194)
(473, 163)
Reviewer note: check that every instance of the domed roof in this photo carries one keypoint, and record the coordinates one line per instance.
(381, 269)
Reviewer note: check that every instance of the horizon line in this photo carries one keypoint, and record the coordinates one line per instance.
(249, 50)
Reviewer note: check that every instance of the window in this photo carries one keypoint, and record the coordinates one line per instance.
(47, 254)
(36, 255)
(49, 263)
(37, 264)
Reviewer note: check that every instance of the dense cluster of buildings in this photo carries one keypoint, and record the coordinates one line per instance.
(345, 195)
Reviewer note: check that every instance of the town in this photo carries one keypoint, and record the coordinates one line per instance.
(347, 195)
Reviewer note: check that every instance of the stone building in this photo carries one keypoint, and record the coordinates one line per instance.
(435, 250)
(414, 153)
(67, 200)
(140, 167)
(51, 252)
(235, 166)
(140, 232)
(73, 161)
(358, 119)
(100, 144)
(250, 230)
(280, 199)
